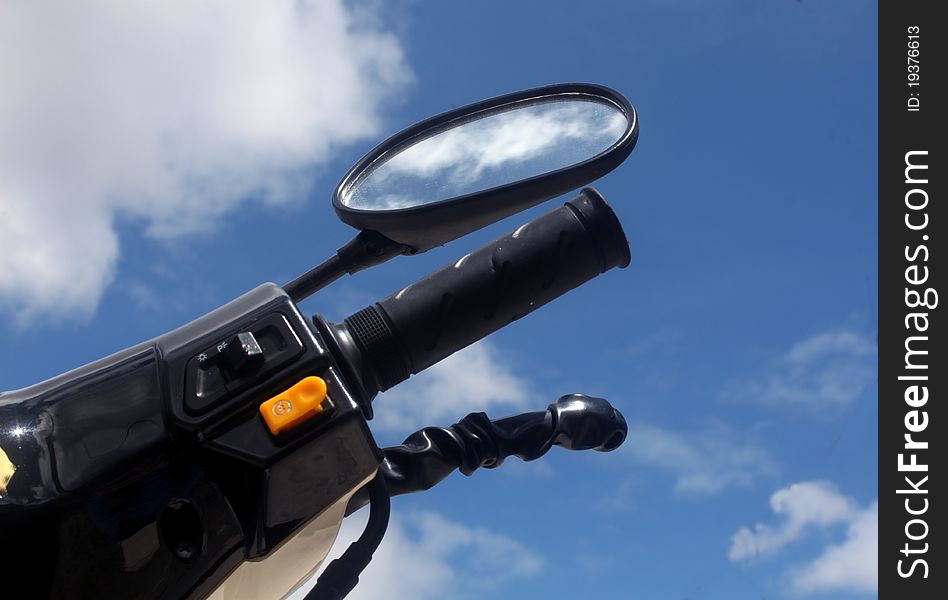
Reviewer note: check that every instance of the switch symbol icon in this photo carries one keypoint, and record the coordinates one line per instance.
(281, 407)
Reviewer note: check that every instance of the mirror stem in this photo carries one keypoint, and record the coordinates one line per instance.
(367, 249)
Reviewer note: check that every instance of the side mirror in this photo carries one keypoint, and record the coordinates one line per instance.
(459, 171)
(464, 169)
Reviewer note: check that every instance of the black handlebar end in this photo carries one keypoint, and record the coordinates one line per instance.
(498, 283)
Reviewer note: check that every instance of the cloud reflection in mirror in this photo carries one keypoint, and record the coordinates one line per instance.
(491, 150)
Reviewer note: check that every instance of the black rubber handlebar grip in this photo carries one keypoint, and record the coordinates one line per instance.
(487, 289)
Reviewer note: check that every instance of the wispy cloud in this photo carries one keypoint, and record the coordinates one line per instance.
(703, 462)
(168, 114)
(826, 371)
(427, 556)
(474, 379)
(802, 505)
(849, 566)
(814, 505)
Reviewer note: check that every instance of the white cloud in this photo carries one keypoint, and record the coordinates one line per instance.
(169, 114)
(474, 379)
(703, 462)
(827, 371)
(426, 556)
(811, 503)
(850, 566)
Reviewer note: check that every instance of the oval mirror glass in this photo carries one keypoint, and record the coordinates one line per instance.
(489, 149)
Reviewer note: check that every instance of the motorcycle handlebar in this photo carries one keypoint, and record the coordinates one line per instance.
(485, 290)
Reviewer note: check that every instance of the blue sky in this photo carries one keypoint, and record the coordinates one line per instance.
(739, 343)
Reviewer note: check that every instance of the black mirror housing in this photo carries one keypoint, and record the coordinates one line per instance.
(420, 228)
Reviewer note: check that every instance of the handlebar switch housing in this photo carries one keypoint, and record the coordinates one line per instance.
(107, 455)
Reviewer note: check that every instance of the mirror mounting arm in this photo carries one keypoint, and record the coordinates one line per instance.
(367, 249)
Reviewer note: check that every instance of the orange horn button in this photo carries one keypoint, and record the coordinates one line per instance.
(296, 405)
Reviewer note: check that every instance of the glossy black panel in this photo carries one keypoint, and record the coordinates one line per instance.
(111, 489)
(108, 543)
(63, 433)
(113, 546)
(106, 420)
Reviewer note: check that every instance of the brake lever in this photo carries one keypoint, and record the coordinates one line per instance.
(574, 422)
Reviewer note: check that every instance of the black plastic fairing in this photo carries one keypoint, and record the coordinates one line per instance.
(118, 490)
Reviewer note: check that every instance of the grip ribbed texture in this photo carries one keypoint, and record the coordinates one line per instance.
(378, 346)
(494, 285)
